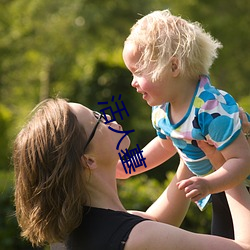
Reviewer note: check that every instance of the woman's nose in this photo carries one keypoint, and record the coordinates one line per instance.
(108, 118)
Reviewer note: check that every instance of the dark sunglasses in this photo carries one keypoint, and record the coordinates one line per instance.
(100, 118)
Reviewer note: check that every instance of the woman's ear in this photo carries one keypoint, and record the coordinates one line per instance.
(175, 66)
(89, 161)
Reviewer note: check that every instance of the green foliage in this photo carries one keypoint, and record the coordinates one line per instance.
(74, 48)
(245, 103)
(230, 71)
(9, 231)
(5, 124)
(139, 192)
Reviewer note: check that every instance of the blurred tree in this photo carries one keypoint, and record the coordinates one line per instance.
(227, 21)
(57, 46)
(5, 123)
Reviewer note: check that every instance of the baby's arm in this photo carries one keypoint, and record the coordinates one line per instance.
(156, 152)
(234, 171)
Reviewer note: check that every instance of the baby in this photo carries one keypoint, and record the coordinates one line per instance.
(170, 59)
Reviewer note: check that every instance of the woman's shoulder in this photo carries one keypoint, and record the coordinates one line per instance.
(102, 227)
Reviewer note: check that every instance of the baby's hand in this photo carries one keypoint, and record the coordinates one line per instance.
(195, 187)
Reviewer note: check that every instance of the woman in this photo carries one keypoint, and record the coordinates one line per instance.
(65, 189)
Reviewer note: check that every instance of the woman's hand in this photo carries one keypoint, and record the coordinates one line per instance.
(245, 124)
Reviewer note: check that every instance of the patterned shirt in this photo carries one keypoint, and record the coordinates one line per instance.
(213, 115)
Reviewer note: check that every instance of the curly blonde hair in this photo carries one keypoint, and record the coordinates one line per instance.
(49, 181)
(160, 36)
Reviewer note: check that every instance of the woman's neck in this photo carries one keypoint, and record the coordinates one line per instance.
(102, 189)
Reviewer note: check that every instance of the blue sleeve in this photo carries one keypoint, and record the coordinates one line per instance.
(219, 120)
(162, 136)
(159, 122)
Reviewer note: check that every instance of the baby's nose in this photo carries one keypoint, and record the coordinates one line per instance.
(134, 83)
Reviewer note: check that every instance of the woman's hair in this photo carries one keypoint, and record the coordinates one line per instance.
(160, 36)
(49, 181)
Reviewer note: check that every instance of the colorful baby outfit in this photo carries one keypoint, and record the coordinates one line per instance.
(213, 115)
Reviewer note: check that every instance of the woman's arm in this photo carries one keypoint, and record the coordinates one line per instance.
(160, 236)
(239, 203)
(171, 207)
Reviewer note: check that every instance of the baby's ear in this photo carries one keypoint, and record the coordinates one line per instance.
(175, 66)
(89, 161)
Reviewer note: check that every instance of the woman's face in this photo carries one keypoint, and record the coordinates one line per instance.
(104, 140)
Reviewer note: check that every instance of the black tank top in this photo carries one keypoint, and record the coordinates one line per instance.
(102, 229)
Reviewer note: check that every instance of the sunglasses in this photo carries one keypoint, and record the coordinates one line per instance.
(100, 118)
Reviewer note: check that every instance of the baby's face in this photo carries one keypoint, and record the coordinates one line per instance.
(154, 93)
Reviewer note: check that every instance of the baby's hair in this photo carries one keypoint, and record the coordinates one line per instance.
(161, 36)
(49, 184)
